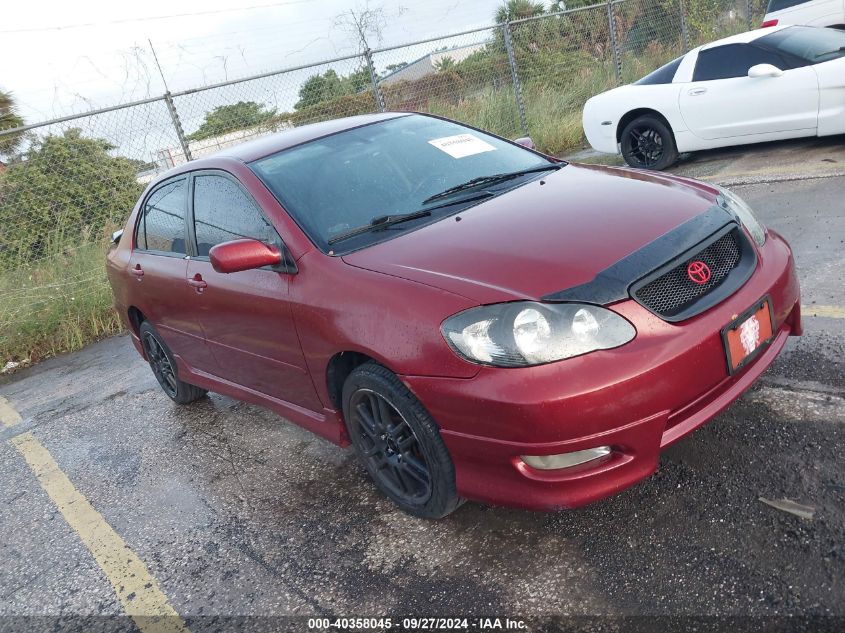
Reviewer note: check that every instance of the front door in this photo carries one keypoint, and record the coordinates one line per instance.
(723, 102)
(246, 316)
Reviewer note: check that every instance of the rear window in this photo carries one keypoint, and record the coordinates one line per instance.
(663, 75)
(161, 226)
(778, 5)
(809, 44)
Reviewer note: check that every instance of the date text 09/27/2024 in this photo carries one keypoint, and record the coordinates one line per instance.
(418, 624)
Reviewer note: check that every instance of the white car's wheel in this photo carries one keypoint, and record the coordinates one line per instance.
(648, 143)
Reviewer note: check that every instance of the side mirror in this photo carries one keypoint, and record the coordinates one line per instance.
(764, 70)
(238, 255)
(525, 141)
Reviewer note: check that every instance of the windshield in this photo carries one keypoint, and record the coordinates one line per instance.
(810, 44)
(334, 184)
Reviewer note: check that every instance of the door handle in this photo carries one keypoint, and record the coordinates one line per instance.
(697, 91)
(137, 271)
(197, 282)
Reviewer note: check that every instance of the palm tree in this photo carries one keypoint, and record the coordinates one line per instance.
(9, 119)
(517, 10)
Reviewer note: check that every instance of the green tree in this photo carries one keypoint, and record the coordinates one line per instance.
(319, 88)
(517, 10)
(511, 10)
(357, 81)
(392, 68)
(67, 191)
(328, 86)
(9, 119)
(445, 64)
(228, 118)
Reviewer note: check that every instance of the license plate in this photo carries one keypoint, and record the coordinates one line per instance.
(748, 334)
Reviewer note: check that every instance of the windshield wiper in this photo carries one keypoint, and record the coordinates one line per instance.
(841, 49)
(490, 180)
(383, 221)
(380, 222)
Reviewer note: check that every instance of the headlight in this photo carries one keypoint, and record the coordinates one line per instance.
(744, 214)
(528, 333)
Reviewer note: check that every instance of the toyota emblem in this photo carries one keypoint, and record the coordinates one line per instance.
(698, 272)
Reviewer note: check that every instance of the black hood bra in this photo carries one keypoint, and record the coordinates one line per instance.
(662, 255)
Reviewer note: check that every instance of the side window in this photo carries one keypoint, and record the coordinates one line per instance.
(162, 223)
(224, 212)
(733, 60)
(663, 75)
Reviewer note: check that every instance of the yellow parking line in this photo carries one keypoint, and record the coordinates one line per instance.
(832, 312)
(137, 590)
(8, 415)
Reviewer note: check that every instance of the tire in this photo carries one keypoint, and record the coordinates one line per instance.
(400, 446)
(164, 367)
(648, 143)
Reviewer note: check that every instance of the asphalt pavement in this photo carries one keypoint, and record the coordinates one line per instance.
(114, 500)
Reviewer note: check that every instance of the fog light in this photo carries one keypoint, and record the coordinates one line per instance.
(565, 460)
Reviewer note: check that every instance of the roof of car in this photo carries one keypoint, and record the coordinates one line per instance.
(744, 38)
(264, 146)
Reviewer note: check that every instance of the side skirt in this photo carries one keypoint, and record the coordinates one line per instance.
(328, 423)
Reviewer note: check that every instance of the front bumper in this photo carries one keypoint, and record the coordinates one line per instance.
(639, 398)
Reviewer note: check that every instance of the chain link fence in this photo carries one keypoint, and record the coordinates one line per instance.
(66, 184)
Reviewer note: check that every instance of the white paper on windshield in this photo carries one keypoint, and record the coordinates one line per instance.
(462, 145)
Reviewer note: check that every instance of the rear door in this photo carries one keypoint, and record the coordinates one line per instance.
(723, 102)
(246, 316)
(158, 265)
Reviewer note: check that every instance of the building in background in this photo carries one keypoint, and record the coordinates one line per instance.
(429, 63)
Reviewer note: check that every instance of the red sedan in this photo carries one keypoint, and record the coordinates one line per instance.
(481, 321)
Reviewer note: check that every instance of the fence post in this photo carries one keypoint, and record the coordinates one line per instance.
(517, 87)
(684, 26)
(174, 116)
(748, 10)
(614, 44)
(368, 54)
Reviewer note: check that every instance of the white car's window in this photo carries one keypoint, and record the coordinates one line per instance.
(663, 75)
(810, 44)
(734, 60)
(779, 5)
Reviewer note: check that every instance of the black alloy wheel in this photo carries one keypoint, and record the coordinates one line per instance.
(160, 364)
(164, 367)
(391, 447)
(648, 143)
(399, 443)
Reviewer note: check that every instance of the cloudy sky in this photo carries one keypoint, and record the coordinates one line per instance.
(61, 57)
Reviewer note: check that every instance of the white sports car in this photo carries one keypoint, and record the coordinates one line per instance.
(765, 85)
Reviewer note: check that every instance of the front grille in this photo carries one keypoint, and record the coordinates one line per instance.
(672, 292)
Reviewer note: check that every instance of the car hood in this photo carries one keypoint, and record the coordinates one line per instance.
(551, 234)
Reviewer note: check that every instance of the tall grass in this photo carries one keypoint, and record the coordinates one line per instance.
(552, 109)
(554, 101)
(60, 304)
